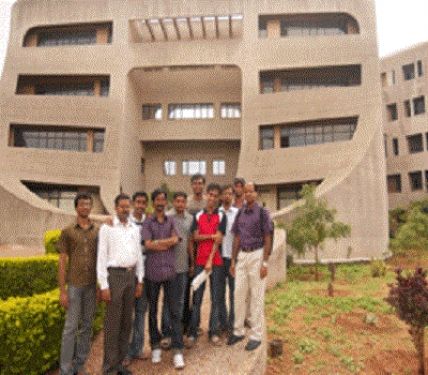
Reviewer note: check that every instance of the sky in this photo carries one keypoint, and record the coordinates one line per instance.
(400, 24)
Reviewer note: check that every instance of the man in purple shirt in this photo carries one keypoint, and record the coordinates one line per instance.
(252, 243)
(160, 236)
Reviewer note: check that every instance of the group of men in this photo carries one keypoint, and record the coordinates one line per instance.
(220, 233)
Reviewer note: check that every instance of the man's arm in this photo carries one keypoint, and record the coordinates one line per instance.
(209, 264)
(191, 252)
(102, 263)
(62, 269)
(235, 252)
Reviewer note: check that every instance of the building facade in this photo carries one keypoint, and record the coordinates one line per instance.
(405, 90)
(114, 95)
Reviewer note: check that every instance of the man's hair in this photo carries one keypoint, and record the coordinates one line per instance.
(196, 177)
(239, 180)
(157, 192)
(140, 194)
(225, 187)
(213, 186)
(121, 197)
(180, 194)
(82, 196)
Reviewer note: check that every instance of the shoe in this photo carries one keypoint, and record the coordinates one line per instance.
(234, 339)
(156, 355)
(215, 340)
(252, 345)
(178, 361)
(166, 343)
(124, 372)
(190, 342)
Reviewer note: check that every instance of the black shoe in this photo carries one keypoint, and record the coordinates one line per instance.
(124, 372)
(233, 339)
(252, 345)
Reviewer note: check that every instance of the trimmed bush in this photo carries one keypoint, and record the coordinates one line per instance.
(22, 277)
(50, 240)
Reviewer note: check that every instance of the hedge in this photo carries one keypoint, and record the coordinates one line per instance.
(50, 240)
(30, 333)
(23, 277)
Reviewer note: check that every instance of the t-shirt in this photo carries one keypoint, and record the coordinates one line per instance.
(206, 223)
(194, 206)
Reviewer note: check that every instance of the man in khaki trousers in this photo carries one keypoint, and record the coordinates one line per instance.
(252, 244)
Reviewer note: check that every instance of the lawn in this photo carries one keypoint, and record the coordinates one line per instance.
(355, 332)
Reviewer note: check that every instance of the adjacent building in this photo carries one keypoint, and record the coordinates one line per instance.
(112, 96)
(405, 92)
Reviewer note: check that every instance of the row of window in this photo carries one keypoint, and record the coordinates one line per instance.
(411, 108)
(415, 144)
(410, 71)
(191, 167)
(55, 138)
(307, 133)
(191, 111)
(415, 180)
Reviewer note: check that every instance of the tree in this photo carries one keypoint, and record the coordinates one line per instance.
(313, 225)
(409, 297)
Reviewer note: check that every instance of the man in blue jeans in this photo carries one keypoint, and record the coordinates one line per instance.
(209, 226)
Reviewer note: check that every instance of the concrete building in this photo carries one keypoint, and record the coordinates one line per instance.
(114, 95)
(405, 89)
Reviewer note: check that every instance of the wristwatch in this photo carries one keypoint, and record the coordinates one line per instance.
(265, 264)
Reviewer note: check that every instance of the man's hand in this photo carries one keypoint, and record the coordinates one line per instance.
(106, 295)
(191, 271)
(109, 221)
(63, 299)
(209, 265)
(139, 290)
(218, 238)
(232, 269)
(263, 272)
(98, 295)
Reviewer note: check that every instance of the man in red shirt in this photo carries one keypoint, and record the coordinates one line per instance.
(209, 226)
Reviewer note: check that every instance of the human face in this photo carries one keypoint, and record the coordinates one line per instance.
(140, 205)
(212, 198)
(123, 209)
(250, 193)
(83, 208)
(238, 189)
(180, 204)
(160, 203)
(198, 186)
(227, 196)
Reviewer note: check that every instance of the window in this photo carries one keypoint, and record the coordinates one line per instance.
(317, 132)
(426, 136)
(384, 79)
(415, 180)
(57, 138)
(392, 112)
(143, 166)
(415, 143)
(230, 110)
(394, 183)
(289, 193)
(407, 108)
(409, 71)
(419, 105)
(190, 111)
(393, 77)
(420, 68)
(152, 112)
(395, 147)
(191, 167)
(266, 138)
(426, 180)
(219, 167)
(169, 168)
(266, 84)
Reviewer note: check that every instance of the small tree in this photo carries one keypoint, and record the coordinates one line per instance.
(409, 297)
(313, 225)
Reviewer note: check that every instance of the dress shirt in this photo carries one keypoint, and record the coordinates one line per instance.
(227, 243)
(119, 245)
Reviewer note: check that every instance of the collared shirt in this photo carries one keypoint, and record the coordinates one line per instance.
(247, 225)
(119, 245)
(238, 205)
(208, 223)
(183, 224)
(227, 243)
(81, 247)
(160, 265)
(194, 206)
(135, 221)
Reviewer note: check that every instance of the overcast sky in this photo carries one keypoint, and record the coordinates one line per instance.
(401, 23)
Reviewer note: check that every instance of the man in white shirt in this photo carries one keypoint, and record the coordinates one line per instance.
(227, 319)
(119, 262)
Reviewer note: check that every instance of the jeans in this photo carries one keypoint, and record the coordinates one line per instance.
(181, 281)
(170, 291)
(137, 342)
(76, 338)
(227, 319)
(215, 288)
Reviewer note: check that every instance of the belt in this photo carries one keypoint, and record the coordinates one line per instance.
(249, 249)
(122, 269)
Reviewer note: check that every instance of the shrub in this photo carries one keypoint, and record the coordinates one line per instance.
(22, 277)
(377, 268)
(50, 240)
